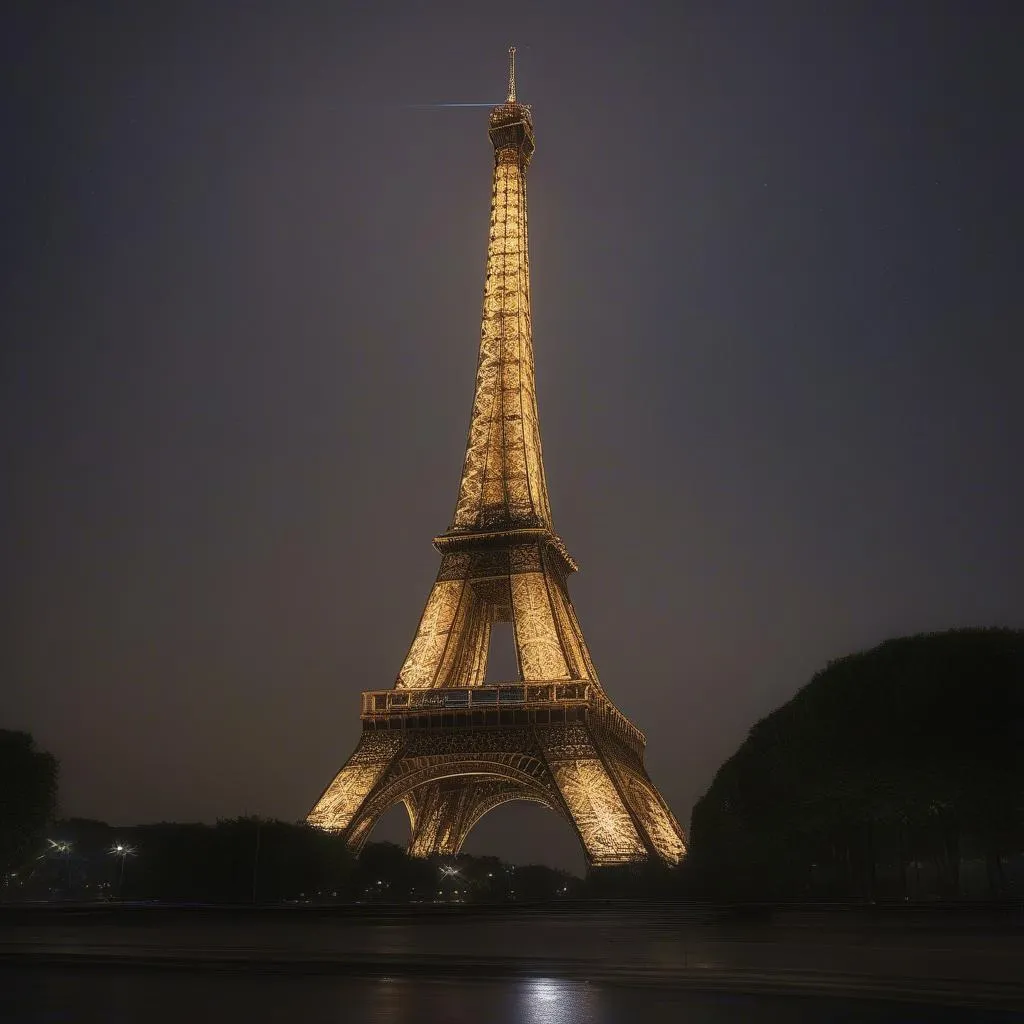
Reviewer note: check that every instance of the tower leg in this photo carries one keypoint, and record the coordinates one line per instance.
(540, 648)
(435, 811)
(649, 810)
(442, 625)
(610, 830)
(450, 646)
(360, 774)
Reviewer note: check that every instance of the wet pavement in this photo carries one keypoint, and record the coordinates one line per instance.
(119, 996)
(451, 963)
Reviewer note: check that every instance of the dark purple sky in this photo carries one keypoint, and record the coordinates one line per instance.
(778, 290)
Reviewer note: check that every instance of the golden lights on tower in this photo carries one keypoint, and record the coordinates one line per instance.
(447, 746)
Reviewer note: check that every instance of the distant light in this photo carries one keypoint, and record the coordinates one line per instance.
(448, 871)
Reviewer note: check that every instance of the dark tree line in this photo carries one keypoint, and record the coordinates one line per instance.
(28, 797)
(259, 861)
(884, 776)
(243, 860)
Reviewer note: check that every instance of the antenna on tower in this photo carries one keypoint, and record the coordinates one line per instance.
(511, 74)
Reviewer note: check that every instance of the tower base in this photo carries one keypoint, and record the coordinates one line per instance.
(453, 755)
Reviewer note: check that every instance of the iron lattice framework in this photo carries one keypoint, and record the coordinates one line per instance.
(441, 741)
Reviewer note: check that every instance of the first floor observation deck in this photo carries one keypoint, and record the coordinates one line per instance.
(498, 705)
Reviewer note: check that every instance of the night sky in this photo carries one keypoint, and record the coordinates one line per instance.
(778, 289)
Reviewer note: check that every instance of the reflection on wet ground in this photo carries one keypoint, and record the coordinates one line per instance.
(165, 965)
(99, 995)
(653, 945)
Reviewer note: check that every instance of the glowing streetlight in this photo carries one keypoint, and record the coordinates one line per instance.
(121, 850)
(64, 847)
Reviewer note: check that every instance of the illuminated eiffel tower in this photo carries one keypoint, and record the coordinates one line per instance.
(441, 741)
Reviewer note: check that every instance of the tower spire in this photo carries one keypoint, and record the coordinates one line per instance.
(511, 74)
(503, 484)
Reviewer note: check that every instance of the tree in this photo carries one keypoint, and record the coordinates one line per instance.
(386, 873)
(28, 795)
(240, 860)
(909, 754)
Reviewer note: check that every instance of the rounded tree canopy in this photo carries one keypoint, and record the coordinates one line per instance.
(918, 730)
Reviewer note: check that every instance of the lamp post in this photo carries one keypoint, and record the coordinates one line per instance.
(121, 850)
(64, 847)
(449, 877)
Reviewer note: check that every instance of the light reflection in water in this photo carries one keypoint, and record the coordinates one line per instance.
(551, 1001)
(525, 1001)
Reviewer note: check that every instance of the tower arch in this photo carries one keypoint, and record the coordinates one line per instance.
(446, 797)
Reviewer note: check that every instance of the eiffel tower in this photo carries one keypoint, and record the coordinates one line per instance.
(441, 741)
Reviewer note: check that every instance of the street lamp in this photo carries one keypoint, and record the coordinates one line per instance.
(121, 850)
(64, 847)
